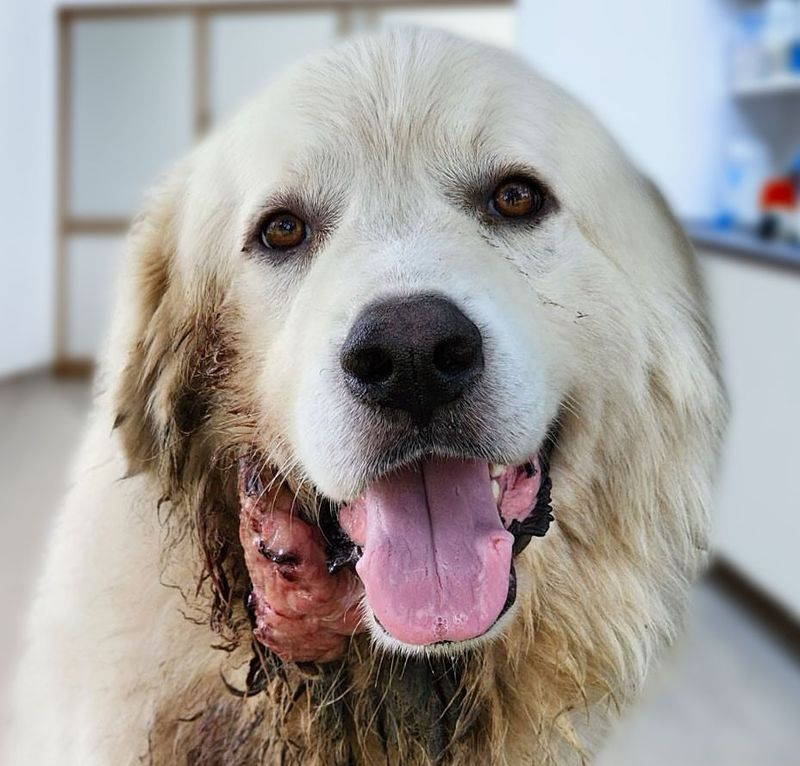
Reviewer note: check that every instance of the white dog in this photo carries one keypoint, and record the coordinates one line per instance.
(402, 444)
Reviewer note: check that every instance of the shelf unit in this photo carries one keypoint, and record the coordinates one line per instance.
(788, 83)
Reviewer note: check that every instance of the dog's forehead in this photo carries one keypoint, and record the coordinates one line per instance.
(399, 92)
(387, 105)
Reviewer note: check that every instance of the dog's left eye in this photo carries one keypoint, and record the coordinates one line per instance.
(283, 231)
(517, 198)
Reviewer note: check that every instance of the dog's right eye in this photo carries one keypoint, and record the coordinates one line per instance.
(517, 198)
(283, 231)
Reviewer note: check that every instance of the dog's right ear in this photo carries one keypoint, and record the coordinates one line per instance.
(147, 355)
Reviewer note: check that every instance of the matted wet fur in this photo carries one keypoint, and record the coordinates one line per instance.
(140, 647)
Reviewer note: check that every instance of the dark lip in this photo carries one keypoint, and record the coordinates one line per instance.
(511, 596)
(538, 520)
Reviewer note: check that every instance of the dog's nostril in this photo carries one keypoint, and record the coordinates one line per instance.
(369, 365)
(455, 355)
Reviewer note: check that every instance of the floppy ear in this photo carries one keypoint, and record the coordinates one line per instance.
(169, 352)
(141, 344)
(664, 417)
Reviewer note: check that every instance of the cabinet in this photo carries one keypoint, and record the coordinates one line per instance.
(757, 509)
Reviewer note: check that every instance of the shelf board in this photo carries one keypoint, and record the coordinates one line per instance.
(742, 243)
(96, 225)
(787, 83)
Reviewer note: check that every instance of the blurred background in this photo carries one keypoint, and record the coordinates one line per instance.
(98, 97)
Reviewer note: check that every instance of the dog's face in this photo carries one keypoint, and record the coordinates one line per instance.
(426, 261)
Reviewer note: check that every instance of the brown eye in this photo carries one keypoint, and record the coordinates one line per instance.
(283, 231)
(516, 197)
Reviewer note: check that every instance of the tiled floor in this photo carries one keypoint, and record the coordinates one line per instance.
(730, 696)
(40, 425)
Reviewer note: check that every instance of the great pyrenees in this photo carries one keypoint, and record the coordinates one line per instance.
(403, 439)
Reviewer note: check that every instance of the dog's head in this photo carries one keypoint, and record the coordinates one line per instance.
(371, 318)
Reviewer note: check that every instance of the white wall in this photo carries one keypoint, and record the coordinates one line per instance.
(653, 72)
(26, 184)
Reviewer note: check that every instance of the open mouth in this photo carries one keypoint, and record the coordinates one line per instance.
(426, 551)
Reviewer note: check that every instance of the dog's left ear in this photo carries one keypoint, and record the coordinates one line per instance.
(678, 407)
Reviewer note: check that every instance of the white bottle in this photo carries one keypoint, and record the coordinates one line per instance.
(747, 48)
(746, 166)
(779, 27)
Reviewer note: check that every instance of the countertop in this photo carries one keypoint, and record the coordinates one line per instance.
(742, 244)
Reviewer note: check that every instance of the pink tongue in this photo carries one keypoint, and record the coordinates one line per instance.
(437, 558)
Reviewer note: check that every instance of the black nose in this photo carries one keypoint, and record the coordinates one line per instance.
(412, 354)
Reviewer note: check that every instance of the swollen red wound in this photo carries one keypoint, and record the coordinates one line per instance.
(302, 612)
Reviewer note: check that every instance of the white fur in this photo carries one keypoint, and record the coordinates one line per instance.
(577, 310)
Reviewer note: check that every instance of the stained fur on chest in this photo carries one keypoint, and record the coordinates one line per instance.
(389, 710)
